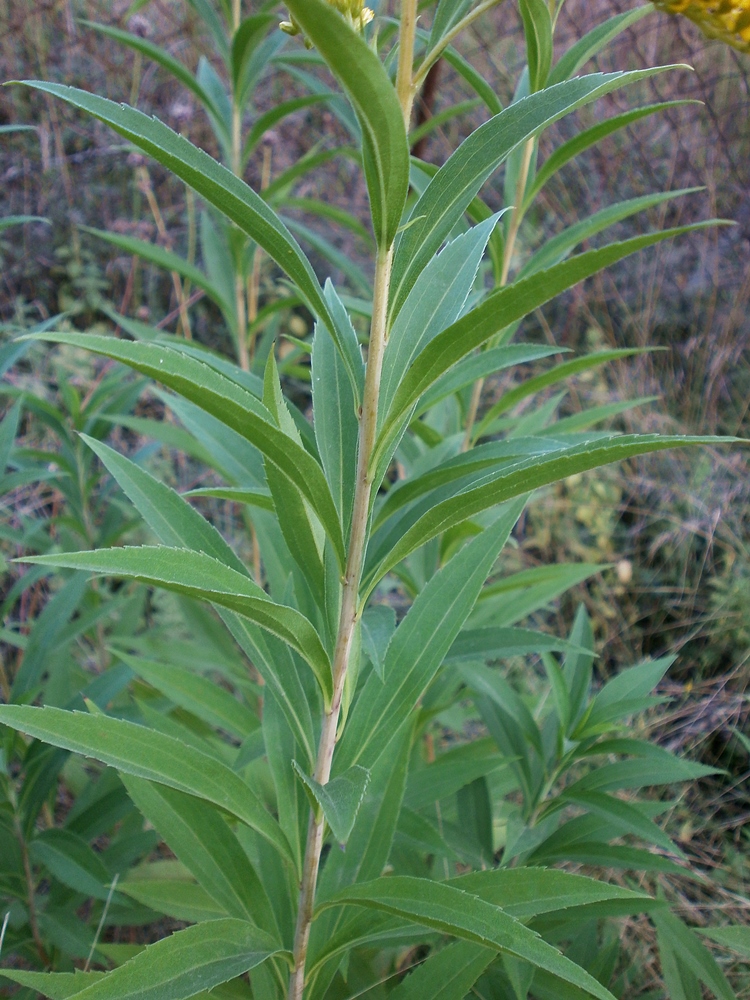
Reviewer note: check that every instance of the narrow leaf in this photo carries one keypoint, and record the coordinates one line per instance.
(373, 97)
(451, 911)
(175, 968)
(200, 576)
(339, 799)
(147, 754)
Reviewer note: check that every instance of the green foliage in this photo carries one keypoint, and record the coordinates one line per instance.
(275, 725)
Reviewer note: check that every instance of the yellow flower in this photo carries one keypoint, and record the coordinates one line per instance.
(354, 11)
(728, 20)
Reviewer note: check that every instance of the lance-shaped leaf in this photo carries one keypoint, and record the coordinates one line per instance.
(163, 58)
(551, 377)
(447, 975)
(167, 259)
(205, 578)
(175, 968)
(497, 643)
(147, 754)
(449, 910)
(589, 137)
(172, 519)
(482, 365)
(339, 799)
(593, 42)
(529, 892)
(519, 478)
(203, 842)
(235, 494)
(232, 405)
(419, 645)
(200, 696)
(498, 311)
(72, 861)
(372, 95)
(456, 184)
(213, 182)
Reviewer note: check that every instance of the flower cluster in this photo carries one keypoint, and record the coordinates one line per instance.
(728, 20)
(354, 11)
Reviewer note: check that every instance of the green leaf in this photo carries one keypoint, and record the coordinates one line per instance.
(57, 985)
(70, 859)
(482, 365)
(521, 478)
(530, 892)
(209, 179)
(148, 754)
(589, 137)
(628, 687)
(378, 625)
(557, 374)
(272, 117)
(198, 695)
(301, 529)
(537, 24)
(736, 939)
(245, 41)
(436, 300)
(685, 943)
(235, 494)
(447, 909)
(370, 842)
(459, 180)
(447, 15)
(419, 645)
(167, 259)
(160, 56)
(558, 247)
(197, 575)
(172, 519)
(608, 856)
(500, 643)
(447, 975)
(384, 145)
(499, 310)
(593, 42)
(177, 898)
(198, 836)
(459, 466)
(451, 771)
(624, 817)
(336, 423)
(175, 968)
(228, 402)
(275, 663)
(339, 799)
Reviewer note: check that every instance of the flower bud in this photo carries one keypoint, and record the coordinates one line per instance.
(353, 11)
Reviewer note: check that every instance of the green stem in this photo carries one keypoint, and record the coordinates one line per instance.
(350, 610)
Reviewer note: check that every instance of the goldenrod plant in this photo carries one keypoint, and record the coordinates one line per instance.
(322, 845)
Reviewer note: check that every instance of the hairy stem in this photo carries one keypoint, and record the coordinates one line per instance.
(358, 539)
(31, 895)
(510, 243)
(349, 613)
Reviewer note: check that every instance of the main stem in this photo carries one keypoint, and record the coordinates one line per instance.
(358, 538)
